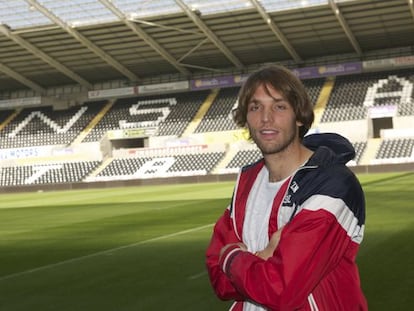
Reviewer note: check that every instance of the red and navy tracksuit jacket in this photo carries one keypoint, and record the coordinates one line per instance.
(322, 210)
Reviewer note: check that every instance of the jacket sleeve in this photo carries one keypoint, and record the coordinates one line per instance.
(223, 234)
(311, 246)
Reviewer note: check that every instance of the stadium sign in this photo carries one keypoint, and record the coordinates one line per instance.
(124, 91)
(20, 102)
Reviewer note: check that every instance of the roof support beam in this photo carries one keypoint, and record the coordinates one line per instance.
(411, 5)
(83, 40)
(210, 35)
(193, 49)
(277, 32)
(345, 27)
(144, 36)
(43, 56)
(15, 75)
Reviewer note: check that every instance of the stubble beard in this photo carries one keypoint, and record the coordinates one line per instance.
(274, 147)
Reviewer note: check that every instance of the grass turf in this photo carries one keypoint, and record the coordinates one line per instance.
(142, 248)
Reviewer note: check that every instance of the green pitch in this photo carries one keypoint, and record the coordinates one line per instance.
(142, 248)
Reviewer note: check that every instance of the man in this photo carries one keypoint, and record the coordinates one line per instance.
(289, 238)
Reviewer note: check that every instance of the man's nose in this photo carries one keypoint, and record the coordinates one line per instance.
(267, 115)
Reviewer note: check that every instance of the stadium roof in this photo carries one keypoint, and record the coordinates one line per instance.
(47, 43)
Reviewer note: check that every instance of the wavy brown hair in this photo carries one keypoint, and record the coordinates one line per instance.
(283, 81)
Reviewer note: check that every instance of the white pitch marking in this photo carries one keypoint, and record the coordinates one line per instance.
(198, 275)
(108, 251)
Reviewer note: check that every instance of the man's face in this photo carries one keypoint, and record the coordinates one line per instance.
(271, 120)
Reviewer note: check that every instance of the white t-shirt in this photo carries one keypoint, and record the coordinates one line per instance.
(256, 221)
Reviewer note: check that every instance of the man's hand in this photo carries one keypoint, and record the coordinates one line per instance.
(271, 247)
